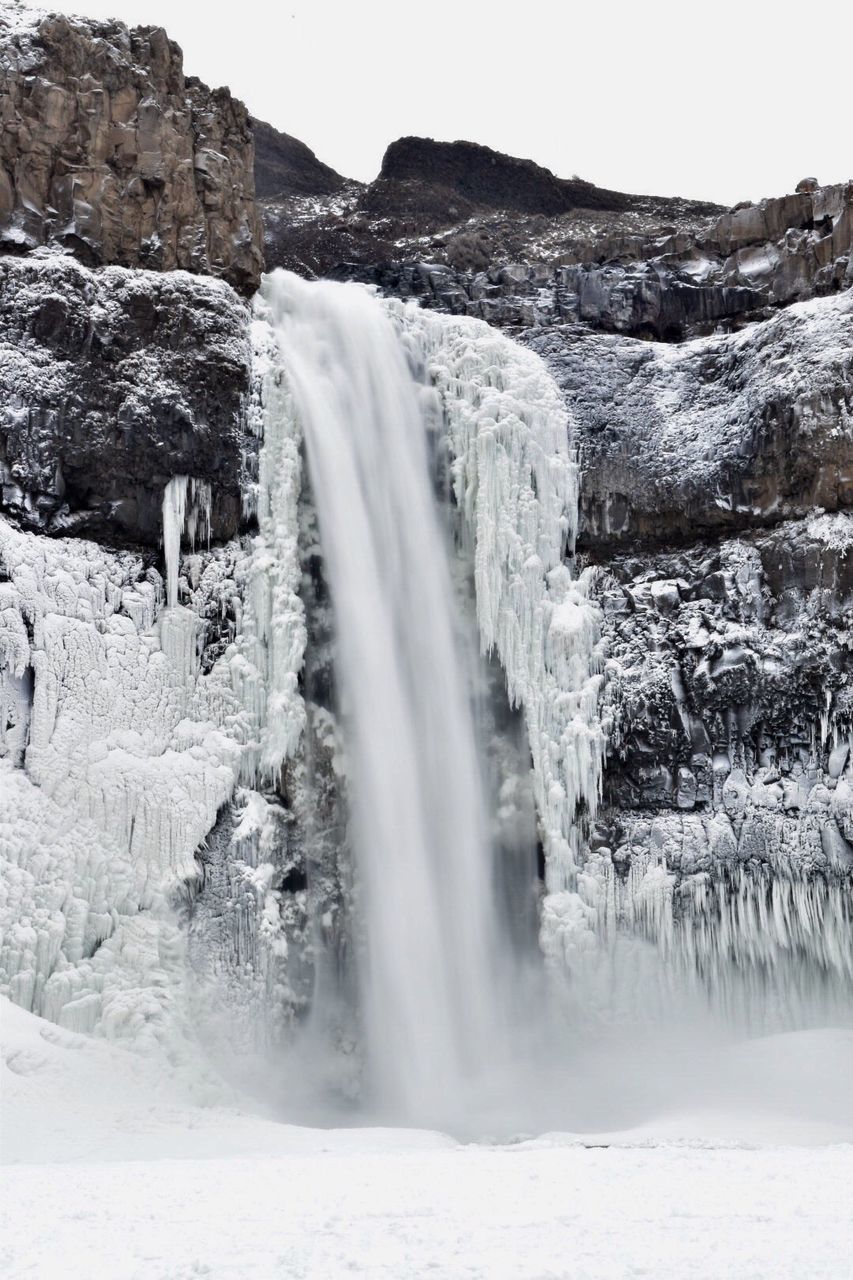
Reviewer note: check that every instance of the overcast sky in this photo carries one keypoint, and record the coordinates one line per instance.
(724, 101)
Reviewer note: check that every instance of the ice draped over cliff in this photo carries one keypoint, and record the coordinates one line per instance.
(129, 741)
(516, 480)
(119, 752)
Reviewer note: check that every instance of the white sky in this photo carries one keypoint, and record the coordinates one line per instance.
(724, 101)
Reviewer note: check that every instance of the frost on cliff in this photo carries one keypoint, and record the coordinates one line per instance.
(118, 749)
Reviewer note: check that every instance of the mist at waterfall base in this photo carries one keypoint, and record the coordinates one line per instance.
(461, 1023)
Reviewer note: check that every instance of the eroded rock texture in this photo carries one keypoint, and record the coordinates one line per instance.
(732, 702)
(665, 282)
(110, 151)
(111, 382)
(728, 432)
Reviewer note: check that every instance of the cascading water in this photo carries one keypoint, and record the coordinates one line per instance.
(430, 980)
(447, 1024)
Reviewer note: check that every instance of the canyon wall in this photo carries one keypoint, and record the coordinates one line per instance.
(705, 358)
(109, 151)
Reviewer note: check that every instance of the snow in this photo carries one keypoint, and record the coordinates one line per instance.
(678, 422)
(130, 1172)
(835, 530)
(498, 1215)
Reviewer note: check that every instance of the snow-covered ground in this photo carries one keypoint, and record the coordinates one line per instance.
(118, 1168)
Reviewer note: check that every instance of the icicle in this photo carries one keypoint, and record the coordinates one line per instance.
(180, 516)
(517, 482)
(271, 647)
(174, 516)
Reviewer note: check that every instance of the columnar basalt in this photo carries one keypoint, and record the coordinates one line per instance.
(108, 150)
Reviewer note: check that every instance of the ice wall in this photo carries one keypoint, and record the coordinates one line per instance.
(119, 752)
(516, 480)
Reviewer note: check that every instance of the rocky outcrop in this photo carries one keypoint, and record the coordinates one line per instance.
(474, 175)
(110, 152)
(482, 178)
(731, 702)
(459, 205)
(111, 382)
(284, 166)
(730, 432)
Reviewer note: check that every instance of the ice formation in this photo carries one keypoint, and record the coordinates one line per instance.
(186, 509)
(517, 482)
(119, 752)
(129, 746)
(128, 752)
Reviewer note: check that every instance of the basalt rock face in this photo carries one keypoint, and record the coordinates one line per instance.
(110, 152)
(717, 504)
(669, 285)
(284, 166)
(112, 382)
(731, 701)
(725, 433)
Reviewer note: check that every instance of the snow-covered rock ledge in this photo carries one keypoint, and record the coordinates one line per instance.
(111, 382)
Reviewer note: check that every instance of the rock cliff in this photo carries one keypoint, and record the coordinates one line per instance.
(108, 150)
(111, 382)
(663, 282)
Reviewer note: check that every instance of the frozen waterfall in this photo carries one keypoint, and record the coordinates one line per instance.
(366, 382)
(430, 982)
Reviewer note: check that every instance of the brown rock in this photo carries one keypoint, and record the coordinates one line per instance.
(108, 150)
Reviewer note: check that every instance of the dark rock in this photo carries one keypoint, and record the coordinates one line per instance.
(482, 178)
(478, 207)
(618, 271)
(727, 433)
(734, 704)
(285, 166)
(111, 382)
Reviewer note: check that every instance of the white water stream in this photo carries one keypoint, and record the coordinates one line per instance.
(429, 983)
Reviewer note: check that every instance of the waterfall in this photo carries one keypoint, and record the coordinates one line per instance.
(449, 1027)
(430, 985)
